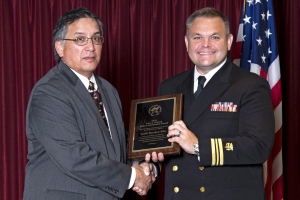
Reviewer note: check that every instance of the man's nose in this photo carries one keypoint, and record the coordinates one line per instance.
(205, 42)
(90, 44)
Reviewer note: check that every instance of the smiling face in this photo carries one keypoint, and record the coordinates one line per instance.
(82, 59)
(207, 43)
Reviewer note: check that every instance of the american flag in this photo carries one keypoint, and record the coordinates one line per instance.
(256, 51)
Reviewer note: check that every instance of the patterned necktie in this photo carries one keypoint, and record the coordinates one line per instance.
(97, 100)
(201, 81)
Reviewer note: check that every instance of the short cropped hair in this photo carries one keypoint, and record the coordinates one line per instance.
(207, 12)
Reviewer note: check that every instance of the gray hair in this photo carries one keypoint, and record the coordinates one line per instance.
(207, 12)
(61, 27)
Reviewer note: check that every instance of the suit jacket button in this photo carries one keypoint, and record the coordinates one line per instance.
(175, 168)
(202, 189)
(201, 168)
(176, 189)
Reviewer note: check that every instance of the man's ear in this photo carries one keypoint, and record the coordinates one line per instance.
(186, 43)
(59, 48)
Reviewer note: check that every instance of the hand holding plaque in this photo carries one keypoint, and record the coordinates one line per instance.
(149, 122)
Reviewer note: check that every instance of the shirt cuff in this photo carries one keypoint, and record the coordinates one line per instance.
(132, 178)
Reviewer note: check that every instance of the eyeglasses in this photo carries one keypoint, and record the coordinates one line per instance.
(82, 40)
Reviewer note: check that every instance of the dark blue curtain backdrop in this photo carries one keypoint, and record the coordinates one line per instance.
(144, 44)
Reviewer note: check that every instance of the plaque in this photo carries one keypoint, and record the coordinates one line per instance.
(149, 122)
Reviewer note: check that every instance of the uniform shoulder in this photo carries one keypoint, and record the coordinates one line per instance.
(242, 75)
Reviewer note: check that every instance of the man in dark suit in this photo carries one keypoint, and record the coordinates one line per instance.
(77, 150)
(227, 131)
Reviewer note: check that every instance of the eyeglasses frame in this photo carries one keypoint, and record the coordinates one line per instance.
(87, 39)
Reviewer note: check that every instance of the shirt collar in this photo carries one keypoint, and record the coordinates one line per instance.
(209, 75)
(85, 80)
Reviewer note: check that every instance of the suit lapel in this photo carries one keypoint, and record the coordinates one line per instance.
(111, 119)
(213, 89)
(78, 87)
(90, 105)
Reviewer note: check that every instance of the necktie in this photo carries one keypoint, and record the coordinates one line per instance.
(97, 100)
(201, 81)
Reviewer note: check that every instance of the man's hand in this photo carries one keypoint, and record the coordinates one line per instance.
(178, 132)
(154, 157)
(142, 181)
(149, 169)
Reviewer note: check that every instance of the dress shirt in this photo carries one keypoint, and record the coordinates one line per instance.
(208, 76)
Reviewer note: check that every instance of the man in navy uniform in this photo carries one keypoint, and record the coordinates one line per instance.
(227, 131)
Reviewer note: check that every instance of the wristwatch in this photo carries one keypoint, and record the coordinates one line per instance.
(196, 150)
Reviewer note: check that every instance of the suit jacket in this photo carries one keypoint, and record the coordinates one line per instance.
(70, 152)
(234, 122)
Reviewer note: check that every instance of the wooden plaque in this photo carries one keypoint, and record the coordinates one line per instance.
(149, 122)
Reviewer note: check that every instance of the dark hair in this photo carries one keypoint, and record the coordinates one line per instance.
(68, 18)
(207, 13)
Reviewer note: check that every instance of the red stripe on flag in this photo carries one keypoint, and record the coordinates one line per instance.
(276, 94)
(278, 189)
(263, 73)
